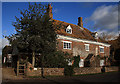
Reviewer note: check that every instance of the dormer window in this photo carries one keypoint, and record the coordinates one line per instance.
(95, 35)
(69, 30)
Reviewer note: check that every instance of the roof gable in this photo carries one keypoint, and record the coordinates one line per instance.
(69, 27)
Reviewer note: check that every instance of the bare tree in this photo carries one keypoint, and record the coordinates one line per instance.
(107, 37)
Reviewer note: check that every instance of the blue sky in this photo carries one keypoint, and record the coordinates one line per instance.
(64, 11)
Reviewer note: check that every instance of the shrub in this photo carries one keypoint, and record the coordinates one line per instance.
(52, 60)
(68, 70)
(76, 61)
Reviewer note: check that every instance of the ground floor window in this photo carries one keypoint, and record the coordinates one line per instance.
(87, 47)
(101, 49)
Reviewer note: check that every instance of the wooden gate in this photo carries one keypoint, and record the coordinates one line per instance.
(21, 67)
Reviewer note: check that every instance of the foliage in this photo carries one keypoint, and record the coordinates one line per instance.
(68, 70)
(98, 56)
(76, 61)
(30, 28)
(6, 50)
(53, 60)
(117, 50)
(117, 54)
(35, 33)
(114, 51)
(106, 37)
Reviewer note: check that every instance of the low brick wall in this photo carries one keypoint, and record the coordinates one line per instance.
(30, 71)
(47, 72)
(110, 69)
(91, 70)
(87, 70)
(34, 72)
(54, 71)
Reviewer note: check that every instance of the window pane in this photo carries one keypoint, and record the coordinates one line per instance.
(64, 45)
(68, 30)
(69, 45)
(86, 47)
(101, 49)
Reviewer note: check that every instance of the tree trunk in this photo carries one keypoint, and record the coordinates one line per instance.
(42, 65)
(33, 58)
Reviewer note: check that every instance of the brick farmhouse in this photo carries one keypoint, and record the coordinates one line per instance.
(77, 40)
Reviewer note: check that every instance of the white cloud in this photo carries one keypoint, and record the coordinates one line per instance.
(104, 18)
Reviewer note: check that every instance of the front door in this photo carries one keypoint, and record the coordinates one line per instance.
(81, 63)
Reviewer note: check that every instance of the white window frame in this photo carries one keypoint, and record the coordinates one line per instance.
(68, 42)
(87, 46)
(102, 48)
(69, 28)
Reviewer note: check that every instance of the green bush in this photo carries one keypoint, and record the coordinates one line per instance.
(76, 61)
(52, 60)
(68, 70)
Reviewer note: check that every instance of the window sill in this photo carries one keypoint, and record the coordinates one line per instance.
(66, 49)
(101, 52)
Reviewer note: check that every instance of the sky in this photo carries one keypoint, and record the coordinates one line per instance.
(97, 16)
(64, 11)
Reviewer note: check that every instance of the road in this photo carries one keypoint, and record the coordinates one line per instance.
(106, 77)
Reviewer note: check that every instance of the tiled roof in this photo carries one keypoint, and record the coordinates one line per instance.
(77, 31)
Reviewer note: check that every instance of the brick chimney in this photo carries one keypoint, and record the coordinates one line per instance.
(49, 10)
(80, 23)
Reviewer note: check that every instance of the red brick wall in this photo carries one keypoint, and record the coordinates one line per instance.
(91, 70)
(46, 72)
(78, 48)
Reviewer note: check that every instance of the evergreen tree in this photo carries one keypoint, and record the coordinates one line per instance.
(35, 32)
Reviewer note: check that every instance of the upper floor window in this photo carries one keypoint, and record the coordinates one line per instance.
(87, 47)
(101, 49)
(67, 45)
(69, 30)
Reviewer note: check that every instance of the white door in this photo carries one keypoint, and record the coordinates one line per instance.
(81, 63)
(102, 62)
